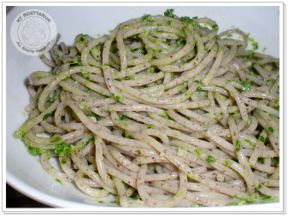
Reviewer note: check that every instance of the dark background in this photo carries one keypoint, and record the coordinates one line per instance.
(15, 199)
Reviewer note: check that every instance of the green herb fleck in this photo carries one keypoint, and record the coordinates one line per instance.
(259, 186)
(35, 150)
(56, 140)
(63, 149)
(151, 126)
(246, 85)
(270, 129)
(254, 43)
(63, 161)
(274, 161)
(165, 115)
(198, 152)
(127, 135)
(249, 55)
(116, 97)
(147, 19)
(46, 116)
(58, 180)
(180, 41)
(210, 159)
(135, 196)
(262, 139)
(188, 20)
(122, 117)
(227, 163)
(238, 145)
(138, 151)
(169, 13)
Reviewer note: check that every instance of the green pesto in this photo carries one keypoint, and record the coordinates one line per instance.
(238, 145)
(254, 43)
(180, 41)
(227, 163)
(116, 97)
(262, 139)
(254, 200)
(122, 117)
(58, 180)
(63, 149)
(151, 126)
(166, 116)
(249, 54)
(270, 129)
(246, 85)
(198, 152)
(138, 151)
(46, 116)
(63, 161)
(274, 162)
(147, 19)
(82, 39)
(127, 135)
(210, 159)
(56, 140)
(259, 186)
(86, 142)
(135, 196)
(169, 13)
(250, 143)
(76, 61)
(35, 150)
(188, 20)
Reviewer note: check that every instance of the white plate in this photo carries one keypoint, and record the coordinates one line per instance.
(24, 171)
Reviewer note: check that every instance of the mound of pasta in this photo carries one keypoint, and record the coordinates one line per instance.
(163, 111)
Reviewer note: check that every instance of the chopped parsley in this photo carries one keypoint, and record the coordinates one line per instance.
(76, 61)
(86, 142)
(188, 20)
(198, 152)
(262, 139)
(180, 41)
(116, 97)
(56, 140)
(249, 54)
(135, 196)
(169, 13)
(46, 116)
(274, 161)
(270, 129)
(165, 115)
(227, 163)
(259, 186)
(138, 151)
(63, 149)
(122, 117)
(151, 126)
(35, 150)
(210, 159)
(246, 85)
(63, 161)
(147, 19)
(254, 43)
(238, 145)
(199, 85)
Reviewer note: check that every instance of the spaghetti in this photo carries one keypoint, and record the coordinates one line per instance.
(162, 112)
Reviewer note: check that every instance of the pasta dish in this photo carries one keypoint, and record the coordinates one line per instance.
(164, 111)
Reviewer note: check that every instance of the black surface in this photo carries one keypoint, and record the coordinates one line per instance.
(14, 199)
